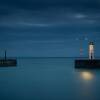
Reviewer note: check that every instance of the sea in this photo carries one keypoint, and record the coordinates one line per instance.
(48, 78)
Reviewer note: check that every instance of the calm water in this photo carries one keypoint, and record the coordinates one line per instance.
(48, 79)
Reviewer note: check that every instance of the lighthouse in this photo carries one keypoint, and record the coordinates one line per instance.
(91, 50)
(90, 63)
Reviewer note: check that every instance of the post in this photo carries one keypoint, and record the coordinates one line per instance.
(81, 49)
(5, 55)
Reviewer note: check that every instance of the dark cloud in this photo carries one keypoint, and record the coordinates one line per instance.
(43, 27)
(41, 13)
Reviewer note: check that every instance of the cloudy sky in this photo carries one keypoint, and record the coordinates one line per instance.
(49, 28)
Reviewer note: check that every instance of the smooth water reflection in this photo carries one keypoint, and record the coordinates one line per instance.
(48, 79)
(89, 84)
(85, 79)
(86, 75)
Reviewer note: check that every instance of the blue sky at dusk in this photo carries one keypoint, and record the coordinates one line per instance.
(49, 28)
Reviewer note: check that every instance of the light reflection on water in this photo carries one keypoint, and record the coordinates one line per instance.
(89, 83)
(87, 75)
(86, 86)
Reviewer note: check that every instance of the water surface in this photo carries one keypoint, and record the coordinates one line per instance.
(48, 79)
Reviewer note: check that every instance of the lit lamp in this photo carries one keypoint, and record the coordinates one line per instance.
(91, 50)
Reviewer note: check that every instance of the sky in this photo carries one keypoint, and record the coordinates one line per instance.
(49, 28)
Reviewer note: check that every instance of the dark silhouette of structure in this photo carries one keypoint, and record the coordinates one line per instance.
(5, 62)
(90, 63)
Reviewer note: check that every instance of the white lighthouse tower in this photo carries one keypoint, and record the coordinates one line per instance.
(91, 50)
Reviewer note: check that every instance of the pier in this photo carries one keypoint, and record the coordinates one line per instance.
(6, 62)
(91, 62)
